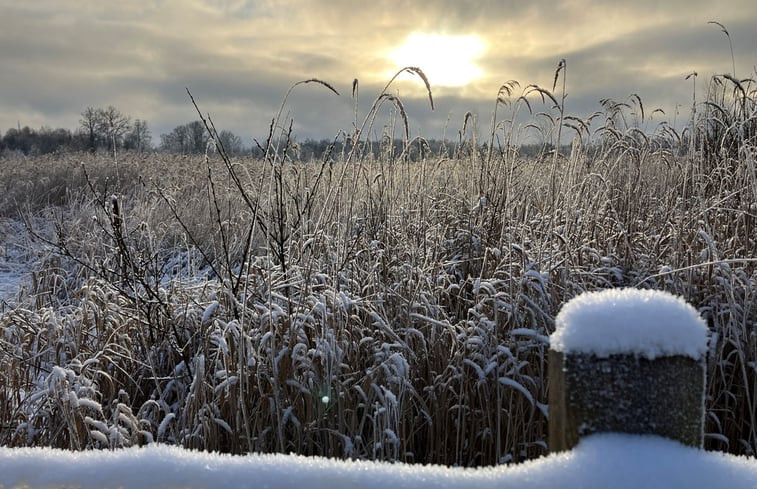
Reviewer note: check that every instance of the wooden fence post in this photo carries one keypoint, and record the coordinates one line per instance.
(627, 361)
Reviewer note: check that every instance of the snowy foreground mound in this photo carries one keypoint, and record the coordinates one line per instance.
(599, 461)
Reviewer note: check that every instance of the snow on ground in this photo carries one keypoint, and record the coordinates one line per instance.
(10, 277)
(17, 260)
(20, 258)
(600, 461)
(643, 322)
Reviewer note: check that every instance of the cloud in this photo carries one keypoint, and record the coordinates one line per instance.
(240, 57)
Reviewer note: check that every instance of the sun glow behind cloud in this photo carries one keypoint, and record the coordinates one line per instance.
(446, 60)
(239, 56)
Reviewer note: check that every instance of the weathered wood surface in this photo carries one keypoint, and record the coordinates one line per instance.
(624, 394)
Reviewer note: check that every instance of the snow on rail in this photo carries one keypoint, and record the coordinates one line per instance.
(609, 460)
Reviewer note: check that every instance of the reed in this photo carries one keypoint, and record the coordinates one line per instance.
(362, 307)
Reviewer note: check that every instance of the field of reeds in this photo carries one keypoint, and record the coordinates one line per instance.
(391, 305)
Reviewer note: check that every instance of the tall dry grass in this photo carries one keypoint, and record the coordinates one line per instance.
(377, 308)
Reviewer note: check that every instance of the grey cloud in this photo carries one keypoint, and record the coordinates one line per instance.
(239, 57)
(652, 63)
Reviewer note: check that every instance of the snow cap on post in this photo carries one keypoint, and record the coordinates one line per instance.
(627, 361)
(646, 323)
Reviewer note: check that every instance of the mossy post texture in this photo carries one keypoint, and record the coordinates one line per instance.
(624, 394)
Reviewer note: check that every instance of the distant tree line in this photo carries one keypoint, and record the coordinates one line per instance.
(417, 149)
(193, 138)
(108, 129)
(42, 141)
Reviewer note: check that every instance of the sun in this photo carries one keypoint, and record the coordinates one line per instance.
(445, 59)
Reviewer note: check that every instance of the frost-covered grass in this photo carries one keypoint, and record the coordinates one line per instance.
(366, 307)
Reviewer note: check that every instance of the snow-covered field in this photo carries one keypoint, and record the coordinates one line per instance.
(17, 260)
(406, 321)
(600, 461)
(10, 276)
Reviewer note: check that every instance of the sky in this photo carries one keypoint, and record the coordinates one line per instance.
(239, 58)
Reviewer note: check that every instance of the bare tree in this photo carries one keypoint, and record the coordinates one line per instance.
(231, 142)
(187, 138)
(139, 138)
(198, 136)
(114, 125)
(176, 141)
(91, 123)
